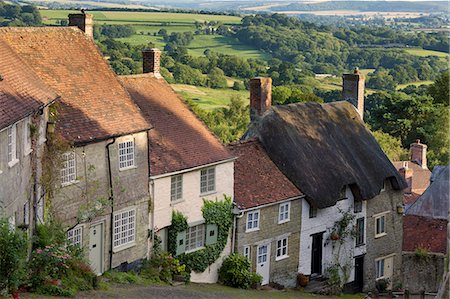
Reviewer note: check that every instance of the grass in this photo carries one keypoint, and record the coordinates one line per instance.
(417, 83)
(423, 53)
(209, 98)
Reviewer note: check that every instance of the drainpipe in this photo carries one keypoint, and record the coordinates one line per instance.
(111, 200)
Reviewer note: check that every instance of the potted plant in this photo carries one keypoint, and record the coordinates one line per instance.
(334, 236)
(302, 280)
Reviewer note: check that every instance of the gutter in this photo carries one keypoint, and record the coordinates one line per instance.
(111, 199)
(272, 203)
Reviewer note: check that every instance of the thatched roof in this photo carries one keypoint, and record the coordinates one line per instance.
(323, 147)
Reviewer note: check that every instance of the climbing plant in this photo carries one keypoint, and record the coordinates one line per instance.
(340, 267)
(218, 212)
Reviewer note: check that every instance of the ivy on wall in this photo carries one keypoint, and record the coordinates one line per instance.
(214, 212)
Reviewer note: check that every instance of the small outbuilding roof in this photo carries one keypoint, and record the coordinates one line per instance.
(424, 232)
(257, 180)
(323, 147)
(179, 140)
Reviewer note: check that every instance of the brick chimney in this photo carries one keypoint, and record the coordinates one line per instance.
(260, 96)
(419, 153)
(151, 60)
(84, 21)
(353, 90)
(407, 174)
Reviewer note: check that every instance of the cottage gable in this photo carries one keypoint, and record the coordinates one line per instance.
(94, 105)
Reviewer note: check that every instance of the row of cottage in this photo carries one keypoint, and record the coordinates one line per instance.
(132, 142)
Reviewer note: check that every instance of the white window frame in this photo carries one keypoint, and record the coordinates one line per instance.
(75, 236)
(377, 217)
(124, 230)
(247, 252)
(11, 133)
(176, 188)
(282, 246)
(284, 212)
(358, 231)
(68, 172)
(252, 223)
(27, 137)
(195, 237)
(379, 267)
(208, 180)
(126, 152)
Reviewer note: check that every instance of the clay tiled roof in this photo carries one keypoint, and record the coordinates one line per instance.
(257, 180)
(94, 105)
(21, 91)
(179, 140)
(421, 176)
(424, 232)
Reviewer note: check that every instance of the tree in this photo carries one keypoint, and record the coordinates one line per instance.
(217, 79)
(391, 146)
(439, 90)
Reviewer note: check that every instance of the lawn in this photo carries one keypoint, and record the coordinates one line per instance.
(417, 83)
(423, 53)
(209, 98)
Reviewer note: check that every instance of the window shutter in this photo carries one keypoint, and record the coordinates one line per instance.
(181, 242)
(211, 234)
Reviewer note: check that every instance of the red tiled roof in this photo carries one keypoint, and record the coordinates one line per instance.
(178, 140)
(424, 232)
(257, 180)
(94, 105)
(410, 198)
(21, 91)
(421, 176)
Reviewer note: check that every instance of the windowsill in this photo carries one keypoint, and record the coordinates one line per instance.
(42, 140)
(280, 258)
(252, 230)
(128, 168)
(70, 183)
(380, 235)
(284, 221)
(123, 247)
(1, 172)
(28, 151)
(13, 162)
(360, 245)
(174, 202)
(195, 249)
(382, 277)
(208, 193)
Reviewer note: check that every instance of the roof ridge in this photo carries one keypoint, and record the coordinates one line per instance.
(244, 142)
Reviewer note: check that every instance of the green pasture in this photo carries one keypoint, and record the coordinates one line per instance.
(417, 83)
(209, 98)
(423, 53)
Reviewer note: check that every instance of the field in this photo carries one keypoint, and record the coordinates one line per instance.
(147, 24)
(422, 52)
(417, 83)
(208, 98)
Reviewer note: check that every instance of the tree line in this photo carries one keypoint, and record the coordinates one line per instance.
(19, 15)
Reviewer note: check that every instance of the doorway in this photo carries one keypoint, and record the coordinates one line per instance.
(359, 274)
(96, 248)
(316, 254)
(263, 262)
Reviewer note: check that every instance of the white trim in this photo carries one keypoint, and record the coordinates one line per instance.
(282, 256)
(192, 169)
(248, 254)
(13, 162)
(127, 244)
(73, 230)
(288, 204)
(258, 221)
(383, 233)
(126, 154)
(380, 214)
(207, 174)
(27, 137)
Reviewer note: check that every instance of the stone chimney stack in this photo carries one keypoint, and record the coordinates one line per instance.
(84, 21)
(260, 96)
(407, 174)
(151, 61)
(419, 153)
(353, 90)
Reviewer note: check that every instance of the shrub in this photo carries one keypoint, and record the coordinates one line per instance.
(13, 251)
(235, 272)
(163, 267)
(382, 284)
(129, 277)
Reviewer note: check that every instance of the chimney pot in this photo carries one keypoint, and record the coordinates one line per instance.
(260, 96)
(419, 153)
(353, 90)
(83, 21)
(151, 61)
